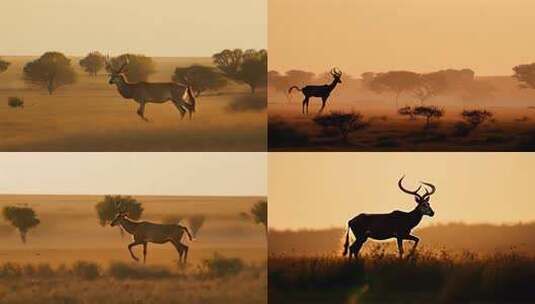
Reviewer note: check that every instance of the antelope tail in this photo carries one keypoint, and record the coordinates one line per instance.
(294, 87)
(346, 244)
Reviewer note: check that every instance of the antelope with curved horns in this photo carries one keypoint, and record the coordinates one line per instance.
(322, 91)
(397, 224)
(145, 232)
(152, 92)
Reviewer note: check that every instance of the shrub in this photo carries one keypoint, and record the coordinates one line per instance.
(220, 266)
(86, 270)
(429, 112)
(342, 123)
(15, 102)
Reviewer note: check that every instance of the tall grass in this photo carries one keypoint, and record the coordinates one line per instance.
(420, 278)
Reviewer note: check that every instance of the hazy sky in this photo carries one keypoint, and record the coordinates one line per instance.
(156, 27)
(489, 36)
(133, 173)
(320, 190)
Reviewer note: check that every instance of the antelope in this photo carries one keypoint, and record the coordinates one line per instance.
(397, 224)
(155, 92)
(145, 232)
(322, 91)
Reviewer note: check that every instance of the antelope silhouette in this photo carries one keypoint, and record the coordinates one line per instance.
(153, 92)
(145, 232)
(397, 224)
(322, 91)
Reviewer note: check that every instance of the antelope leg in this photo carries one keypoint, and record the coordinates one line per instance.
(130, 249)
(415, 240)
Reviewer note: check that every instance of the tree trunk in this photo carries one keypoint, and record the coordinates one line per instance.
(50, 87)
(23, 236)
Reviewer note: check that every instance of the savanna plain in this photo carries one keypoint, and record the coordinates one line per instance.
(90, 115)
(72, 257)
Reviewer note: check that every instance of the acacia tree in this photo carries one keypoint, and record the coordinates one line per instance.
(342, 123)
(200, 78)
(93, 63)
(138, 67)
(525, 73)
(51, 70)
(22, 218)
(396, 82)
(429, 112)
(253, 69)
(249, 67)
(429, 85)
(3, 65)
(472, 119)
(111, 205)
(258, 213)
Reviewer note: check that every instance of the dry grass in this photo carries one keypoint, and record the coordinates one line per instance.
(389, 131)
(91, 116)
(381, 277)
(150, 284)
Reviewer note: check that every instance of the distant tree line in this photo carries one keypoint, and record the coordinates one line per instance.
(53, 70)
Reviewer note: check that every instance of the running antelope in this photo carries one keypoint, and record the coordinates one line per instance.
(152, 92)
(397, 224)
(145, 232)
(322, 91)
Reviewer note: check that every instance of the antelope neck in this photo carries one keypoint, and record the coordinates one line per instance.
(415, 216)
(128, 225)
(123, 87)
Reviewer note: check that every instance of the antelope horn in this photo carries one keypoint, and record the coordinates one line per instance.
(433, 188)
(408, 191)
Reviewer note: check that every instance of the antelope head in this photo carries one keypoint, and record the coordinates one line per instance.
(422, 200)
(121, 214)
(336, 74)
(116, 76)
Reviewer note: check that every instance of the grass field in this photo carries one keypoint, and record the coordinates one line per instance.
(69, 232)
(381, 277)
(91, 116)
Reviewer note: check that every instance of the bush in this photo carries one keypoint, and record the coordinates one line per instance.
(341, 123)
(86, 270)
(120, 270)
(15, 102)
(220, 266)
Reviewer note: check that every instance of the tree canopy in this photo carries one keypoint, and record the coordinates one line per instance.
(260, 213)
(525, 73)
(111, 205)
(138, 68)
(3, 65)
(22, 218)
(93, 63)
(201, 78)
(52, 70)
(249, 67)
(396, 82)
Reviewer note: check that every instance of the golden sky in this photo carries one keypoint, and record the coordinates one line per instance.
(156, 27)
(321, 190)
(183, 173)
(489, 36)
